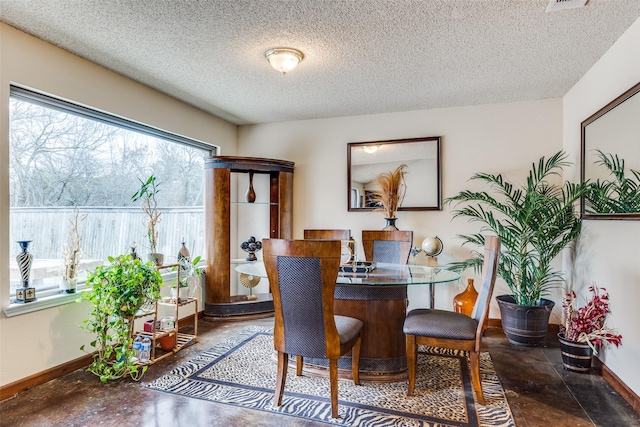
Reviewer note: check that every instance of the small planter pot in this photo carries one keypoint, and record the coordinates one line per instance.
(179, 294)
(576, 356)
(157, 259)
(523, 324)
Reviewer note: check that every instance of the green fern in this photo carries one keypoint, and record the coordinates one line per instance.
(534, 222)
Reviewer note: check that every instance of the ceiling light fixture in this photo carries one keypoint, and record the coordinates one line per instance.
(283, 59)
(370, 149)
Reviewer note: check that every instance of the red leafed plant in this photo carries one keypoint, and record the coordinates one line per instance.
(587, 324)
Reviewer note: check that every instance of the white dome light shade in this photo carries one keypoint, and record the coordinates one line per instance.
(283, 59)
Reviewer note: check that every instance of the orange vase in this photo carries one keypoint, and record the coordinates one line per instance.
(465, 300)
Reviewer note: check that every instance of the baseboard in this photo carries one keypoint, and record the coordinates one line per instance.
(26, 383)
(622, 389)
(614, 381)
(11, 389)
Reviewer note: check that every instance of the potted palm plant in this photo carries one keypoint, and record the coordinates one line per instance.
(117, 292)
(147, 197)
(389, 194)
(535, 222)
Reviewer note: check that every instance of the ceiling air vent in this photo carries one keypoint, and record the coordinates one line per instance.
(556, 5)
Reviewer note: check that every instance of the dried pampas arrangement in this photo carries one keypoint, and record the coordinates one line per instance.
(391, 190)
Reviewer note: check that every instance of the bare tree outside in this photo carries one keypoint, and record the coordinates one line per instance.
(60, 160)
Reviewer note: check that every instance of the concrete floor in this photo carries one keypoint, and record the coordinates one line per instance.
(539, 392)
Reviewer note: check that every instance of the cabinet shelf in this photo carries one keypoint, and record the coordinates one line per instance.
(182, 340)
(219, 302)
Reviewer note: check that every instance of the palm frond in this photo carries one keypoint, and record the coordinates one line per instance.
(534, 222)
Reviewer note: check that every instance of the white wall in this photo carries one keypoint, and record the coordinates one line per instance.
(609, 254)
(500, 138)
(32, 343)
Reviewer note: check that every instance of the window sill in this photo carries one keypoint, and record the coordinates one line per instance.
(42, 303)
(49, 301)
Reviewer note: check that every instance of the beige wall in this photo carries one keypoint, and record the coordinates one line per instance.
(609, 253)
(34, 342)
(500, 138)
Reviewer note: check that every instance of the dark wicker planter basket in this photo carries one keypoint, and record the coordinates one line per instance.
(576, 356)
(524, 325)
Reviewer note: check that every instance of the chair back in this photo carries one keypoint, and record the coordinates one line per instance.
(489, 273)
(302, 275)
(387, 246)
(328, 234)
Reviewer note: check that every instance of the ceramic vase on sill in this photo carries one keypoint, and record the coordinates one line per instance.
(24, 260)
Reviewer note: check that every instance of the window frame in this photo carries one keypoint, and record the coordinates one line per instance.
(51, 297)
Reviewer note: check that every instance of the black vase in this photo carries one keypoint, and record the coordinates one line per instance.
(391, 225)
(576, 356)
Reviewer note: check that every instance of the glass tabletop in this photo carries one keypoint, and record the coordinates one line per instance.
(382, 275)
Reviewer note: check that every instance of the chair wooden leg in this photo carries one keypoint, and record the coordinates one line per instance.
(281, 377)
(355, 361)
(333, 378)
(299, 363)
(412, 351)
(474, 357)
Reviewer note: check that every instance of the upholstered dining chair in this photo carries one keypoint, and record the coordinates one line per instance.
(387, 246)
(448, 329)
(302, 275)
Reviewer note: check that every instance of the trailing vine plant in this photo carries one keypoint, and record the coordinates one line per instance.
(118, 291)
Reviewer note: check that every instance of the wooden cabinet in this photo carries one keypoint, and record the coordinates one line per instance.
(218, 200)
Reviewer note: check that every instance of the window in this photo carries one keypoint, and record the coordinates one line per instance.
(63, 155)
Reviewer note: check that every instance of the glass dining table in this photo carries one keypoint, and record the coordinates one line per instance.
(379, 298)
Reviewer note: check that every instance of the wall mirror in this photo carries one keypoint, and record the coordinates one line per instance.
(610, 139)
(365, 160)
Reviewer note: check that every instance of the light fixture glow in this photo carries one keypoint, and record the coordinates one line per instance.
(283, 59)
(370, 149)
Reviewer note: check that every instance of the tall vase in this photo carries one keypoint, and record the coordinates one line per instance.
(251, 193)
(183, 253)
(24, 260)
(391, 225)
(465, 300)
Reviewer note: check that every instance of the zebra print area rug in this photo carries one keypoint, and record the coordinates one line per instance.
(241, 372)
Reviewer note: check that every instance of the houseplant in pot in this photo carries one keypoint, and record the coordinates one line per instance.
(117, 292)
(584, 329)
(389, 194)
(535, 222)
(188, 271)
(146, 195)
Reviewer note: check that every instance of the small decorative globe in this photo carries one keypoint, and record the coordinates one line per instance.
(432, 246)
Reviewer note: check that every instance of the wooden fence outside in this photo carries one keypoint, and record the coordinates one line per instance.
(106, 231)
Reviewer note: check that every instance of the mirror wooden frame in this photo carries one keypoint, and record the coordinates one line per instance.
(409, 152)
(586, 145)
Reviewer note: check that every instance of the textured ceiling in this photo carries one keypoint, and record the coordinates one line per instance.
(361, 56)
